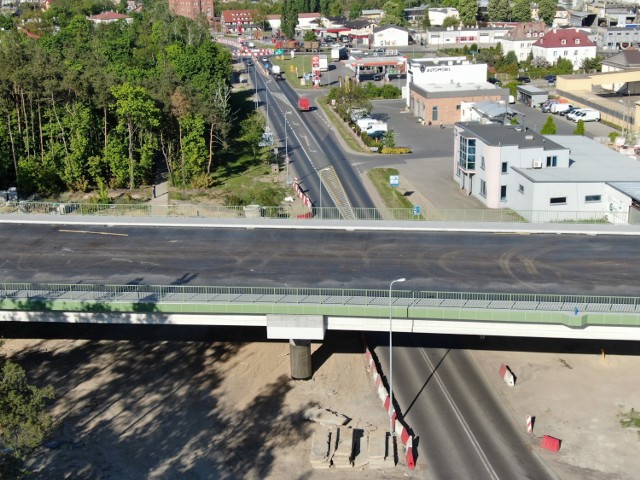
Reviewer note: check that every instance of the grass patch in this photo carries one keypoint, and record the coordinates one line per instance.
(391, 197)
(301, 65)
(340, 126)
(630, 419)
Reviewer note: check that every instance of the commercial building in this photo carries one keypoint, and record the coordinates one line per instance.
(618, 38)
(564, 43)
(564, 177)
(437, 87)
(390, 36)
(457, 37)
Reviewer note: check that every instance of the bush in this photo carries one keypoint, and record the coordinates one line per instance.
(390, 91)
(613, 136)
(395, 150)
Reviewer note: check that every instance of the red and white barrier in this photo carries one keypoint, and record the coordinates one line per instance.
(507, 375)
(301, 194)
(400, 429)
(529, 424)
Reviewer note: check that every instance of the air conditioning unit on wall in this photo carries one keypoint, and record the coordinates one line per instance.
(537, 164)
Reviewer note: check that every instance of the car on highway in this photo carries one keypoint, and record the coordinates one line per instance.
(523, 79)
(265, 59)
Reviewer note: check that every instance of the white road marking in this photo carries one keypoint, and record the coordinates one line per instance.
(94, 233)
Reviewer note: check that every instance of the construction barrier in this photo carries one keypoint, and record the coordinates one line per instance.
(401, 431)
(301, 194)
(507, 375)
(529, 424)
(550, 443)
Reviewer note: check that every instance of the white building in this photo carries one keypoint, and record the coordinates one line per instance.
(390, 36)
(437, 15)
(564, 43)
(460, 36)
(110, 17)
(521, 38)
(514, 168)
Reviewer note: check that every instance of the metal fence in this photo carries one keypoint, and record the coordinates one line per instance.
(325, 213)
(46, 292)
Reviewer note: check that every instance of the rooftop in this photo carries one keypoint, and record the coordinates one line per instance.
(526, 31)
(564, 37)
(508, 135)
(624, 59)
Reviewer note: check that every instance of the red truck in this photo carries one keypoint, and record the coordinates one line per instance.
(304, 105)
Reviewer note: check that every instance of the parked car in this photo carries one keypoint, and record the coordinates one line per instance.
(550, 78)
(523, 79)
(587, 115)
(567, 112)
(558, 108)
(494, 80)
(576, 113)
(546, 106)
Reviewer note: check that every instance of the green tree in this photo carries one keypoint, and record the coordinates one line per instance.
(521, 10)
(499, 10)
(511, 58)
(549, 127)
(355, 9)
(24, 422)
(136, 111)
(547, 10)
(425, 22)
(310, 36)
(336, 9)
(563, 66)
(289, 18)
(579, 128)
(393, 13)
(251, 130)
(592, 64)
(468, 10)
(450, 21)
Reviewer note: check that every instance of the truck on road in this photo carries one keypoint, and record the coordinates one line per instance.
(304, 105)
(338, 53)
(311, 46)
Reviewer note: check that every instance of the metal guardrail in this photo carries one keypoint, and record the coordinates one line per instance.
(155, 294)
(328, 213)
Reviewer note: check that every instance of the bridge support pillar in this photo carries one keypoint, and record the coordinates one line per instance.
(300, 355)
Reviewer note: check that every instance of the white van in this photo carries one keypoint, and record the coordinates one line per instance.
(558, 108)
(588, 116)
(574, 114)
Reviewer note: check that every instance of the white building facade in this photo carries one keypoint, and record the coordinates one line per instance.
(520, 39)
(437, 15)
(564, 43)
(390, 36)
(554, 177)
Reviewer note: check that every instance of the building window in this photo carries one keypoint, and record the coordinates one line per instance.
(558, 201)
(483, 188)
(563, 41)
(521, 188)
(577, 41)
(552, 161)
(434, 113)
(467, 160)
(503, 193)
(457, 107)
(593, 198)
(482, 163)
(505, 167)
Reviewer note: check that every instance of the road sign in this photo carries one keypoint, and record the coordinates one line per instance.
(292, 68)
(394, 180)
(315, 61)
(416, 209)
(280, 51)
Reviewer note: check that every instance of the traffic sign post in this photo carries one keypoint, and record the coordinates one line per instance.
(394, 180)
(416, 209)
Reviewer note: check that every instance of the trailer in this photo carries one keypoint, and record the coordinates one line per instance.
(324, 63)
(338, 53)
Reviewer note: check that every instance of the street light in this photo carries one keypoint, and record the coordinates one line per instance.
(286, 147)
(320, 185)
(391, 430)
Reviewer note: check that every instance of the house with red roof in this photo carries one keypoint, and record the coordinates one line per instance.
(238, 21)
(568, 43)
(110, 17)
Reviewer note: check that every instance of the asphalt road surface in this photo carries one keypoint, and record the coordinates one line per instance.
(569, 264)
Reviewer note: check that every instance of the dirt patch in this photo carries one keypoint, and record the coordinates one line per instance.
(161, 409)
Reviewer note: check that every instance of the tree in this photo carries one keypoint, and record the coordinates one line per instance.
(468, 10)
(592, 64)
(450, 21)
(355, 9)
(499, 10)
(579, 128)
(251, 130)
(289, 18)
(24, 422)
(393, 13)
(549, 127)
(136, 111)
(511, 58)
(547, 10)
(310, 36)
(563, 66)
(521, 10)
(425, 21)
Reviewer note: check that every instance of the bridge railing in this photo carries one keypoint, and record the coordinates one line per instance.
(326, 213)
(15, 293)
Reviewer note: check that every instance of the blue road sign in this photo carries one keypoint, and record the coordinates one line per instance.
(394, 180)
(416, 209)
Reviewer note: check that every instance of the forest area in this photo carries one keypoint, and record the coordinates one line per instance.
(92, 107)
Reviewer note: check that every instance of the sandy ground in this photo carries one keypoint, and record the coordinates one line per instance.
(197, 409)
(578, 398)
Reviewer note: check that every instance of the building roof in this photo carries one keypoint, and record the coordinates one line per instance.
(108, 16)
(571, 37)
(631, 189)
(234, 16)
(508, 135)
(469, 91)
(590, 162)
(625, 59)
(526, 31)
(492, 109)
(389, 27)
(438, 61)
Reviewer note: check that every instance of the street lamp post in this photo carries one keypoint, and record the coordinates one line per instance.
(391, 430)
(286, 147)
(320, 185)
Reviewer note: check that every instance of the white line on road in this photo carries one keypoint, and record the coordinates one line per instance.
(94, 233)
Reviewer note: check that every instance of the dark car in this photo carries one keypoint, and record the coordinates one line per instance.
(523, 79)
(551, 79)
(495, 81)
(567, 112)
